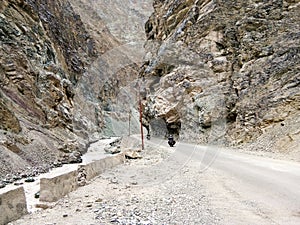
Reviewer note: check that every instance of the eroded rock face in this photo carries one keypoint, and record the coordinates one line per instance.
(60, 67)
(9, 121)
(112, 78)
(38, 73)
(225, 71)
(43, 55)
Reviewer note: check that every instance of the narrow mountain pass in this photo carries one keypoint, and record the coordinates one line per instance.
(73, 72)
(187, 184)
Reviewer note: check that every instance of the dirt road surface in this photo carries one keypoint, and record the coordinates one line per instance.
(187, 184)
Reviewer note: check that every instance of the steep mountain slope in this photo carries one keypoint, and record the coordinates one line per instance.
(215, 71)
(226, 72)
(115, 72)
(60, 69)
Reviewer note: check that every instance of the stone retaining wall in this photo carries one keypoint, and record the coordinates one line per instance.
(54, 188)
(95, 168)
(12, 205)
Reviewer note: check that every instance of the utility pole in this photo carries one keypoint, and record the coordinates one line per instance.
(141, 117)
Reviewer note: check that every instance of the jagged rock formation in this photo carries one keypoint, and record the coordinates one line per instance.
(59, 70)
(40, 68)
(226, 71)
(215, 72)
(114, 73)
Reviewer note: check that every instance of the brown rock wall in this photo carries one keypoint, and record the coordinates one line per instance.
(234, 67)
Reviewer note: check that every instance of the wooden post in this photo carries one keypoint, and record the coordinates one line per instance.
(141, 117)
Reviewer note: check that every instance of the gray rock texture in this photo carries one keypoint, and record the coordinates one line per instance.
(217, 72)
(62, 65)
(226, 72)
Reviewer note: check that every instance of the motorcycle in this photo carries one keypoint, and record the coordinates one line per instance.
(171, 142)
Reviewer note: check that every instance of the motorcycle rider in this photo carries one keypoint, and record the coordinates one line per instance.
(148, 136)
(171, 141)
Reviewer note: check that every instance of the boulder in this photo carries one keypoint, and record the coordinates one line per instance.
(131, 154)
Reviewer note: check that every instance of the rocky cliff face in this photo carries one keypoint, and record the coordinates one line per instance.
(226, 71)
(39, 71)
(112, 79)
(215, 72)
(61, 67)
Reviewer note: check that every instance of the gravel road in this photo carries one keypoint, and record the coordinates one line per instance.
(182, 185)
